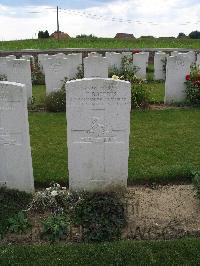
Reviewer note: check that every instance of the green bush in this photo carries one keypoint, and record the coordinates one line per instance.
(196, 184)
(56, 101)
(18, 223)
(101, 215)
(126, 71)
(55, 227)
(140, 96)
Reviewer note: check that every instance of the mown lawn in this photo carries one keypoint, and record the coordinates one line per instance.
(100, 43)
(164, 145)
(177, 252)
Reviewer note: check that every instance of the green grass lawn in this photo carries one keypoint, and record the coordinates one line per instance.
(100, 43)
(39, 93)
(123, 253)
(164, 145)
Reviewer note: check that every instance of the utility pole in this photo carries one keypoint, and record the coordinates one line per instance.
(58, 30)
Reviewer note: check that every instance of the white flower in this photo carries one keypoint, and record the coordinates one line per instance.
(48, 188)
(54, 193)
(64, 188)
(115, 77)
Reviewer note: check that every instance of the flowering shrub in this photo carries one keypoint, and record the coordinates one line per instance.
(193, 86)
(139, 94)
(49, 199)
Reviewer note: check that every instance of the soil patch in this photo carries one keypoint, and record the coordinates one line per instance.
(157, 213)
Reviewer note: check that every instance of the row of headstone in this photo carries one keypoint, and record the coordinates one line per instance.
(98, 119)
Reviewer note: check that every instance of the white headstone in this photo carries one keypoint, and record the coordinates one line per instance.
(98, 126)
(74, 62)
(94, 54)
(114, 60)
(28, 57)
(19, 70)
(177, 69)
(174, 53)
(3, 66)
(55, 73)
(95, 66)
(198, 60)
(159, 66)
(41, 59)
(147, 58)
(192, 56)
(59, 56)
(15, 152)
(11, 57)
(140, 62)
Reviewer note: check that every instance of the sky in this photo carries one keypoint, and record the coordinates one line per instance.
(22, 19)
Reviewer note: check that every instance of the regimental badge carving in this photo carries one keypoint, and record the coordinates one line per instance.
(98, 132)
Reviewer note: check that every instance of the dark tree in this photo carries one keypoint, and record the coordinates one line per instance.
(181, 35)
(43, 34)
(194, 35)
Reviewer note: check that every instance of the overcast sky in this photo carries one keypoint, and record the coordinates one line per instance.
(22, 19)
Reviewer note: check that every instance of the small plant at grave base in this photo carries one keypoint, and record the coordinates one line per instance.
(196, 184)
(55, 227)
(193, 86)
(101, 215)
(18, 223)
(50, 199)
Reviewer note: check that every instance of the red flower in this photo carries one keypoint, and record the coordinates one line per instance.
(187, 77)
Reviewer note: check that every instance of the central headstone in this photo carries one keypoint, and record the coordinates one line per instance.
(98, 121)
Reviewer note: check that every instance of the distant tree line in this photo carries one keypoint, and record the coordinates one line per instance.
(193, 35)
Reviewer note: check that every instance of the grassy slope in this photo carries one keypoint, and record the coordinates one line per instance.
(163, 145)
(100, 43)
(178, 252)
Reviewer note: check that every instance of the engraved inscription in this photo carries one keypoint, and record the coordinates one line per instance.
(9, 138)
(3, 94)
